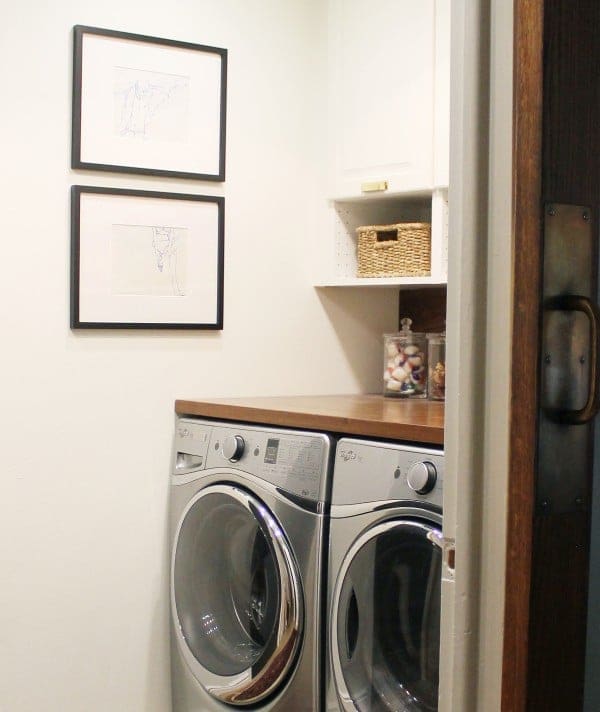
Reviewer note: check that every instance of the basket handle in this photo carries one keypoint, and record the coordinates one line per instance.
(383, 236)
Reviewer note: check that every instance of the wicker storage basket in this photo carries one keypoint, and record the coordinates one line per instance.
(400, 250)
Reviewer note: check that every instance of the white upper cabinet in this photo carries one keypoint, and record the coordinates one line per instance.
(389, 89)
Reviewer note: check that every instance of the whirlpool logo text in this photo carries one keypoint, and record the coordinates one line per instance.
(347, 455)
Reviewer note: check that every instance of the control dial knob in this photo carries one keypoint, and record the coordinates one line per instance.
(421, 477)
(233, 448)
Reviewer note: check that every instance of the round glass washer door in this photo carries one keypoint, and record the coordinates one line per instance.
(236, 595)
(386, 620)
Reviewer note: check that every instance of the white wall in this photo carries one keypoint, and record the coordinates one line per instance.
(87, 417)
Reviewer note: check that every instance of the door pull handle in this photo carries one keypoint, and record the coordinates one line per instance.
(570, 302)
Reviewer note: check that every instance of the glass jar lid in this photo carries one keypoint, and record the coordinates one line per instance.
(406, 332)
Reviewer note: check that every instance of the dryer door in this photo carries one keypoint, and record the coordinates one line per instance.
(386, 620)
(236, 595)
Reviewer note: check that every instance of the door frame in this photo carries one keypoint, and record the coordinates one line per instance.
(467, 400)
(527, 267)
(497, 163)
(494, 227)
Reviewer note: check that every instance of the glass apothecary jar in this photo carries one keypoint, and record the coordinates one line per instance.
(436, 358)
(405, 363)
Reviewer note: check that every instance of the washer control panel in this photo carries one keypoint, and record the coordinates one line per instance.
(368, 471)
(294, 461)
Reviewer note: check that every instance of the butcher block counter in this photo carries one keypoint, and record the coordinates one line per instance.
(419, 421)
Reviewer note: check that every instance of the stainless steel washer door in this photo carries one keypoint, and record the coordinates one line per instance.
(386, 617)
(236, 595)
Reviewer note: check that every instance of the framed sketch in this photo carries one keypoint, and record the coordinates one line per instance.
(146, 260)
(148, 105)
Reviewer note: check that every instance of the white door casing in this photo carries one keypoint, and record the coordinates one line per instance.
(478, 353)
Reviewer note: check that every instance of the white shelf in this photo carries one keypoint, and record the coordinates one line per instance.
(339, 269)
(381, 198)
(406, 282)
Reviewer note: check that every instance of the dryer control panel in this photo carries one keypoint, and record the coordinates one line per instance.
(367, 471)
(294, 461)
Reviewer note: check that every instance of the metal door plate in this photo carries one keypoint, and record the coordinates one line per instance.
(568, 250)
(569, 256)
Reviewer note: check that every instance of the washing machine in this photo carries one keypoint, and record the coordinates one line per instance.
(248, 534)
(384, 578)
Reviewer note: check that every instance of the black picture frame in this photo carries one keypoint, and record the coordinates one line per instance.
(85, 135)
(197, 207)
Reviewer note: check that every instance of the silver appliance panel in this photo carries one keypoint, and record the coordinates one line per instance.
(293, 461)
(369, 472)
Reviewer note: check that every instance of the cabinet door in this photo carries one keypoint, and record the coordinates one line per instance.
(382, 87)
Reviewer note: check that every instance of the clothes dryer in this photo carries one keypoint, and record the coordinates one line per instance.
(385, 578)
(248, 535)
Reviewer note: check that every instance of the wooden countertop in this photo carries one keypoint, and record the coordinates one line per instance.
(371, 415)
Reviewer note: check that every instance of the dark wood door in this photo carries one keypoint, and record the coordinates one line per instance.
(556, 160)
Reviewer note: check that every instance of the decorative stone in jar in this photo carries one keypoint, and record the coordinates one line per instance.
(437, 366)
(405, 363)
